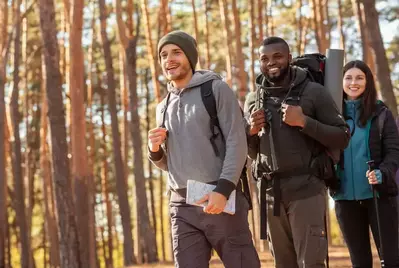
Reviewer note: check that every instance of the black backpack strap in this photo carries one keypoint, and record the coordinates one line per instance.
(210, 105)
(381, 121)
(163, 111)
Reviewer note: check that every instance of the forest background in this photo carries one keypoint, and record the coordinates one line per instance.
(79, 83)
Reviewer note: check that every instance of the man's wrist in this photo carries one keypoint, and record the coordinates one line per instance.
(154, 149)
(303, 122)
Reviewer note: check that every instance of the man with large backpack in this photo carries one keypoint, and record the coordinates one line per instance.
(201, 137)
(293, 124)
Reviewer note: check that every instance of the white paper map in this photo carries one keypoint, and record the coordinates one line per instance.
(196, 190)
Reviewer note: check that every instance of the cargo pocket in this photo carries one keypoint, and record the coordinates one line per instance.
(316, 246)
(241, 253)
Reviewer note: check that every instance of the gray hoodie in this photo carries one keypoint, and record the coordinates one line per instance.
(189, 153)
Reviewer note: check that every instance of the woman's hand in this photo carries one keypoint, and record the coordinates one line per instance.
(374, 177)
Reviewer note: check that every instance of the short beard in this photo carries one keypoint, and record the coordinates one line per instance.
(280, 78)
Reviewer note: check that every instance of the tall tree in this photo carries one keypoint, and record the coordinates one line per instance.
(26, 257)
(3, 178)
(48, 198)
(227, 39)
(121, 183)
(147, 234)
(80, 165)
(196, 34)
(381, 60)
(105, 189)
(69, 245)
(150, 50)
(340, 26)
(206, 35)
(240, 62)
(252, 42)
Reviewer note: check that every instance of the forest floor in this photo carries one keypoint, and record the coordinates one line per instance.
(339, 257)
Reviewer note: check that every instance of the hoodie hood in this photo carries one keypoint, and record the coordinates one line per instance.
(199, 77)
(298, 75)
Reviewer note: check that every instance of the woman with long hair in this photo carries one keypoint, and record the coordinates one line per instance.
(374, 136)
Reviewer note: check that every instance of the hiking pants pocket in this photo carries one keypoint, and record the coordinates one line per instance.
(316, 247)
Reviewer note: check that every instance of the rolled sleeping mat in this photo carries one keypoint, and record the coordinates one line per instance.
(333, 75)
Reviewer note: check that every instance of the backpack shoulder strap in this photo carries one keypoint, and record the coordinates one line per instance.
(210, 105)
(163, 111)
(381, 120)
(296, 94)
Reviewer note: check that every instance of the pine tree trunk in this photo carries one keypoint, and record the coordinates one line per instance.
(147, 239)
(92, 153)
(340, 25)
(105, 187)
(150, 176)
(242, 87)
(80, 165)
(381, 60)
(69, 245)
(227, 40)
(360, 29)
(150, 50)
(121, 184)
(196, 34)
(166, 16)
(19, 190)
(125, 108)
(260, 20)
(252, 45)
(299, 23)
(45, 167)
(3, 141)
(206, 34)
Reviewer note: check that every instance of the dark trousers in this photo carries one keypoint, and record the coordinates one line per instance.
(298, 237)
(355, 218)
(195, 233)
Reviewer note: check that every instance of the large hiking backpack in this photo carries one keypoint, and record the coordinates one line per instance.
(314, 64)
(324, 160)
(209, 102)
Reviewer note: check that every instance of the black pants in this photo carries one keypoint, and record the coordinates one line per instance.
(355, 217)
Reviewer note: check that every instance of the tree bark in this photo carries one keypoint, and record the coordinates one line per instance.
(150, 50)
(3, 141)
(206, 34)
(80, 165)
(340, 25)
(69, 244)
(125, 108)
(242, 76)
(196, 30)
(26, 257)
(121, 184)
(105, 187)
(147, 238)
(252, 45)
(260, 20)
(51, 221)
(227, 40)
(381, 60)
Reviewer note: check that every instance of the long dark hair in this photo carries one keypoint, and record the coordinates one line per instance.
(369, 96)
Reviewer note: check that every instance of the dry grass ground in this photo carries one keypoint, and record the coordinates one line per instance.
(339, 257)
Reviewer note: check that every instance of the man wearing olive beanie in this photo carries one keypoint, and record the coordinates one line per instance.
(181, 145)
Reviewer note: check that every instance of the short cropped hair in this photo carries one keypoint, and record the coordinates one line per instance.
(275, 40)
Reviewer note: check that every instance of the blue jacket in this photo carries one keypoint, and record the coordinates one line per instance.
(354, 184)
(365, 145)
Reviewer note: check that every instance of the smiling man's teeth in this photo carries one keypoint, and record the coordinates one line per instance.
(274, 69)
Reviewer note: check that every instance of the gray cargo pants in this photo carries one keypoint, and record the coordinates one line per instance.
(195, 233)
(297, 237)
